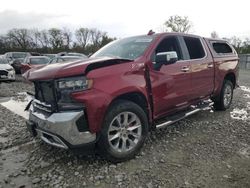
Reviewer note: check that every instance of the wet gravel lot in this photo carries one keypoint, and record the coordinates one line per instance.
(208, 149)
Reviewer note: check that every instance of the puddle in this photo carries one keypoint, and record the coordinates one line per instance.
(17, 104)
(240, 114)
(245, 152)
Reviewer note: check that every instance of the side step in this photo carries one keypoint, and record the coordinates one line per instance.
(205, 105)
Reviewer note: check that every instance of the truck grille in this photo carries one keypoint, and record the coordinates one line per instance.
(45, 96)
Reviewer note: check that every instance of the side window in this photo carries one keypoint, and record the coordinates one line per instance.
(60, 60)
(53, 61)
(169, 44)
(222, 48)
(194, 47)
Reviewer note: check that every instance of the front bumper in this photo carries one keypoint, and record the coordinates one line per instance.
(7, 75)
(59, 129)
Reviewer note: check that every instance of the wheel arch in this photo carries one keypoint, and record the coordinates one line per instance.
(231, 77)
(136, 97)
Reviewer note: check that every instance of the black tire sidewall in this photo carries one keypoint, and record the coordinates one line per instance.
(221, 105)
(115, 109)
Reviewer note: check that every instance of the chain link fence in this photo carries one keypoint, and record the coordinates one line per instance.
(244, 61)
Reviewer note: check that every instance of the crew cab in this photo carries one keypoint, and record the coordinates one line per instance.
(131, 86)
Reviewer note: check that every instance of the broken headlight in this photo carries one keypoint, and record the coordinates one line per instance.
(64, 89)
(74, 84)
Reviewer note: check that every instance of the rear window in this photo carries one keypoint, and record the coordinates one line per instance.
(194, 47)
(38, 61)
(222, 48)
(16, 55)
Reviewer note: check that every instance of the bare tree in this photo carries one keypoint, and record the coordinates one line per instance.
(178, 24)
(55, 38)
(67, 38)
(20, 37)
(82, 36)
(96, 36)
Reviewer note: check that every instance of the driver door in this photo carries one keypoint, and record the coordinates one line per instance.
(171, 84)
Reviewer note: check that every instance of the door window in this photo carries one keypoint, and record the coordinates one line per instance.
(169, 44)
(194, 47)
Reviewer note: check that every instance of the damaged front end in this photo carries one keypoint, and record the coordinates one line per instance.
(55, 115)
(56, 118)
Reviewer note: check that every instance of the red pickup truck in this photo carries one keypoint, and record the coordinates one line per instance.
(131, 86)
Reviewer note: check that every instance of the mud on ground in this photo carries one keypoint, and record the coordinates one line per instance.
(209, 149)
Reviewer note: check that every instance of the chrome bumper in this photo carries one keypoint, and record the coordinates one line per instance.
(60, 127)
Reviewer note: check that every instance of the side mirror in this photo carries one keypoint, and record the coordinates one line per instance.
(166, 57)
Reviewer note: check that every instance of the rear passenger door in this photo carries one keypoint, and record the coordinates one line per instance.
(201, 67)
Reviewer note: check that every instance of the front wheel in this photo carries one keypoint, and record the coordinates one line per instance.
(124, 131)
(226, 95)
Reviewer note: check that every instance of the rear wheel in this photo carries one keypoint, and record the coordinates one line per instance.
(124, 131)
(226, 95)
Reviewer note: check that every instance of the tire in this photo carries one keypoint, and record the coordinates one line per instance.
(120, 141)
(224, 100)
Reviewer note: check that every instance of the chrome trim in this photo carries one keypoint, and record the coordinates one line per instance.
(185, 69)
(210, 66)
(169, 122)
(59, 143)
(42, 108)
(42, 103)
(62, 124)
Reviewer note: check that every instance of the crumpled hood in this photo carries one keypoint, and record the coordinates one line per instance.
(67, 69)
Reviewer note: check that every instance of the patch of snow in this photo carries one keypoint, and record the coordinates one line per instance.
(247, 96)
(248, 105)
(245, 152)
(244, 88)
(18, 104)
(240, 114)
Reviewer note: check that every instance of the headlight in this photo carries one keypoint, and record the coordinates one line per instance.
(75, 84)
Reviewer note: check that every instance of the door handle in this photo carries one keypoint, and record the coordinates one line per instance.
(210, 66)
(185, 69)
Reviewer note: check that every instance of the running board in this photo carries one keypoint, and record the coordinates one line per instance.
(177, 117)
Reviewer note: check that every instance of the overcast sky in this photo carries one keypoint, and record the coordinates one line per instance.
(127, 17)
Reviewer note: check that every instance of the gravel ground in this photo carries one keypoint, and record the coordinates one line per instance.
(208, 149)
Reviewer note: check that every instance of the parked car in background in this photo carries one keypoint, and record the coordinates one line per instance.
(72, 54)
(51, 56)
(16, 63)
(34, 62)
(10, 56)
(61, 59)
(7, 72)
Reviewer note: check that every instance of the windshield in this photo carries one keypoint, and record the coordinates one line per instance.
(128, 48)
(65, 59)
(38, 61)
(19, 55)
(3, 61)
(71, 58)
